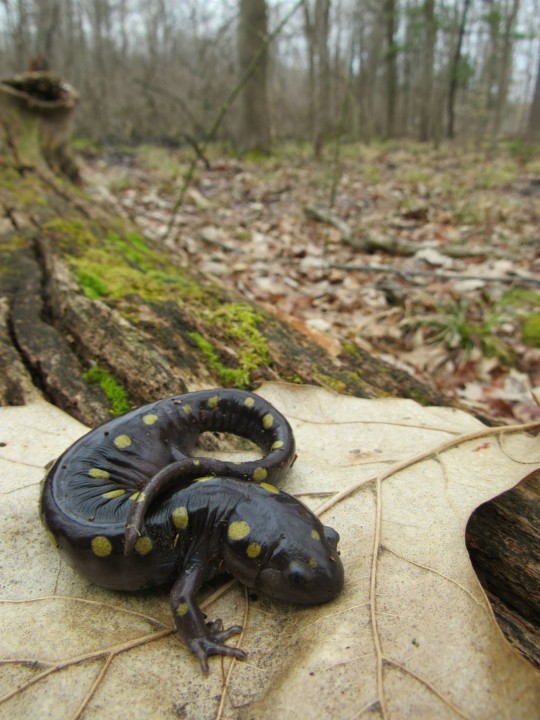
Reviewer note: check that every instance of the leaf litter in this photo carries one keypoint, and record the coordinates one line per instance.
(428, 258)
(412, 634)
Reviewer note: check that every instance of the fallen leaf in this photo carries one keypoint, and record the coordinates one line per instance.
(411, 636)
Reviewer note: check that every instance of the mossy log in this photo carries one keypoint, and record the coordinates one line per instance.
(85, 289)
(97, 319)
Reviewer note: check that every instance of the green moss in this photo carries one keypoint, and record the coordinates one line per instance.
(117, 395)
(137, 240)
(71, 235)
(296, 379)
(102, 275)
(327, 381)
(350, 348)
(531, 330)
(135, 252)
(16, 241)
(116, 264)
(239, 323)
(92, 286)
(227, 376)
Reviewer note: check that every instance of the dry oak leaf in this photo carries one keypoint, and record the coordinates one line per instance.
(411, 636)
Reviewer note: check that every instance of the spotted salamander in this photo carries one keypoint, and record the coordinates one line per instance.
(131, 507)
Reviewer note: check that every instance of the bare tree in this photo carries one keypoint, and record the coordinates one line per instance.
(391, 71)
(426, 107)
(533, 126)
(504, 64)
(455, 71)
(369, 59)
(255, 120)
(317, 27)
(161, 69)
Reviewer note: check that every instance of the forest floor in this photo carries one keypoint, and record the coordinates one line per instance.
(428, 258)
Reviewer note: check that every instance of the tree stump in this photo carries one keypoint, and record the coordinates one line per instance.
(36, 110)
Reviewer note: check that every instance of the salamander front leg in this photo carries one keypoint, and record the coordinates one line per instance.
(203, 639)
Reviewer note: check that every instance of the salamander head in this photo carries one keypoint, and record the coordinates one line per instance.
(276, 545)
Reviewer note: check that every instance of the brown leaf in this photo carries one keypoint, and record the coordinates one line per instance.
(412, 634)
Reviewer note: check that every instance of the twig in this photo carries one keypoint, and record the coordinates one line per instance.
(424, 455)
(439, 274)
(328, 217)
(337, 169)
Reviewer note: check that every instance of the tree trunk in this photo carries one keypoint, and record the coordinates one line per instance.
(391, 66)
(309, 31)
(426, 108)
(322, 95)
(255, 121)
(533, 129)
(504, 69)
(455, 73)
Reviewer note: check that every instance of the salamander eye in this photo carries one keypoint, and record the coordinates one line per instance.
(331, 535)
(296, 574)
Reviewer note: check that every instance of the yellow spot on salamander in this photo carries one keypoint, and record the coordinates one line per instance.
(143, 545)
(182, 609)
(149, 419)
(101, 546)
(260, 474)
(137, 497)
(196, 462)
(113, 494)
(270, 488)
(238, 530)
(203, 479)
(122, 442)
(249, 402)
(277, 445)
(315, 535)
(253, 550)
(213, 402)
(313, 563)
(187, 408)
(99, 474)
(180, 518)
(268, 421)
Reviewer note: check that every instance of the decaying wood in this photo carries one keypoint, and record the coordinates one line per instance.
(147, 344)
(503, 538)
(36, 111)
(438, 274)
(368, 242)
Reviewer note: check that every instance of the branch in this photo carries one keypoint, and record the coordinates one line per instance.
(439, 274)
